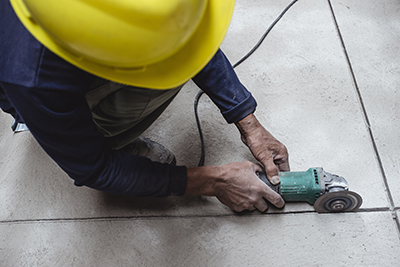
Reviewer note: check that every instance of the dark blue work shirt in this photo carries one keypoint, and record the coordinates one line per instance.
(48, 94)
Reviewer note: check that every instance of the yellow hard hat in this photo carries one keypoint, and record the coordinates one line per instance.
(156, 44)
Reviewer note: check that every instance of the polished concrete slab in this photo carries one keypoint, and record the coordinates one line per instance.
(307, 98)
(356, 239)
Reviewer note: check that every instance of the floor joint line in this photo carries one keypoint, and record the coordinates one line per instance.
(149, 217)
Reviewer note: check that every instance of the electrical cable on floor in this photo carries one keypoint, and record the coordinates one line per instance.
(200, 93)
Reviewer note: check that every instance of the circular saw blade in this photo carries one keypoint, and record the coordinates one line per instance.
(339, 201)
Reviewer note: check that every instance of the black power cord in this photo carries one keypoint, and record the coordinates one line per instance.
(200, 93)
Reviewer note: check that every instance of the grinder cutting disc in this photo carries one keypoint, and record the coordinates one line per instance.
(339, 201)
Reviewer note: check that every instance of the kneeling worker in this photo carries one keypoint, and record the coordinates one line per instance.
(89, 77)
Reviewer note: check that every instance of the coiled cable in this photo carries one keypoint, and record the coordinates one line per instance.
(200, 93)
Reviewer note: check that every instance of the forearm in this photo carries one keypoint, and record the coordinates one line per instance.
(220, 82)
(202, 180)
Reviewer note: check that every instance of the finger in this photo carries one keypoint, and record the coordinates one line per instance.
(274, 198)
(252, 208)
(262, 205)
(272, 172)
(283, 165)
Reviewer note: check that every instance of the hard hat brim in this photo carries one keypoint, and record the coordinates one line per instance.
(168, 73)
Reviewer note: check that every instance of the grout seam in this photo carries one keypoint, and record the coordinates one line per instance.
(155, 217)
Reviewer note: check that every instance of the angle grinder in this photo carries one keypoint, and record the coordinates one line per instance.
(327, 192)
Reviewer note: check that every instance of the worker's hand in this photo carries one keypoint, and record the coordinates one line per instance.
(265, 148)
(235, 185)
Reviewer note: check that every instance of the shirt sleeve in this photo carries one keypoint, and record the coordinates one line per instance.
(220, 82)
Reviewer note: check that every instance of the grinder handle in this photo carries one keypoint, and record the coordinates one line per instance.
(263, 177)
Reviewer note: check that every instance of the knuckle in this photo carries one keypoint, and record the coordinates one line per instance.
(284, 154)
(238, 209)
(248, 164)
(270, 167)
(246, 205)
(252, 200)
(282, 148)
(271, 170)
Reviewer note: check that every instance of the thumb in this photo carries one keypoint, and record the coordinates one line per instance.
(272, 172)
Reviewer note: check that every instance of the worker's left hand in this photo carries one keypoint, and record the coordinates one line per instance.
(264, 147)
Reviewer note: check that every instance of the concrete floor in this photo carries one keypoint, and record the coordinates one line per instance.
(327, 82)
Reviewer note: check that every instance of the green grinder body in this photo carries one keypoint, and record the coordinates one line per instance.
(302, 186)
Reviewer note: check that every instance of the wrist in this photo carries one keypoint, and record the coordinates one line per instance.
(247, 124)
(202, 180)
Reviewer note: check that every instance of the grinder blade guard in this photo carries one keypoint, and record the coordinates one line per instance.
(327, 192)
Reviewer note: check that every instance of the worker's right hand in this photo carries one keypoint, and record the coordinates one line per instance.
(235, 184)
(271, 153)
